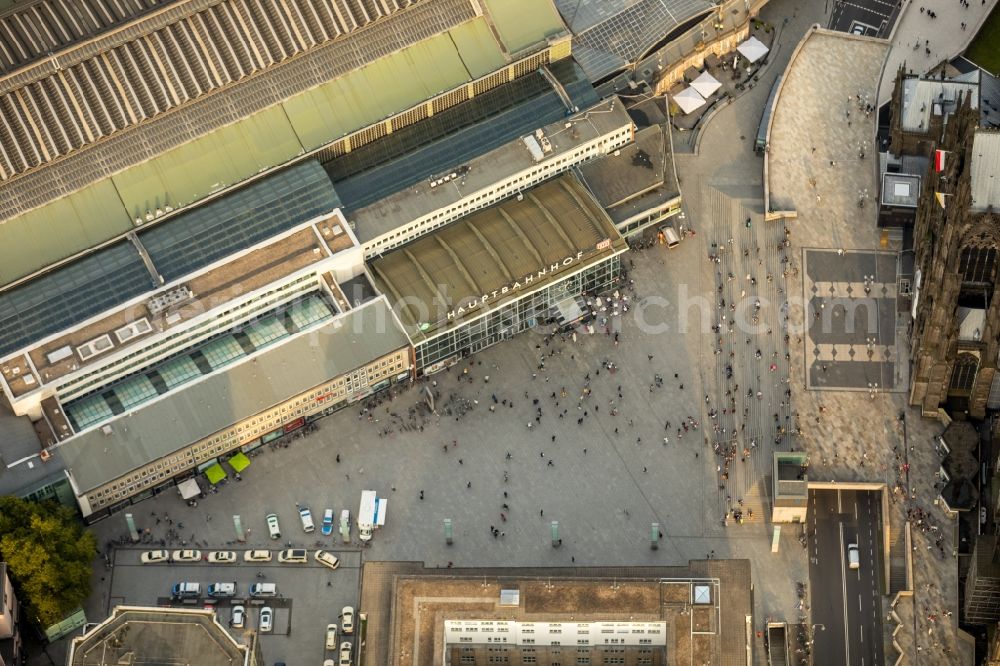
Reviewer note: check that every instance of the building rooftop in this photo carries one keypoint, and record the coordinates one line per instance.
(900, 189)
(158, 636)
(81, 289)
(609, 35)
(17, 442)
(791, 474)
(442, 277)
(985, 172)
(447, 139)
(923, 98)
(82, 164)
(484, 171)
(200, 408)
(631, 171)
(704, 605)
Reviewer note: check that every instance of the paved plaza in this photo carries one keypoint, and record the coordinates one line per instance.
(850, 341)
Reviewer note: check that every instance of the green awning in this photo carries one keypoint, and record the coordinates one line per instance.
(239, 462)
(215, 473)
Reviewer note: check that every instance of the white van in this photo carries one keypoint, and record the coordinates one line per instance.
(222, 589)
(853, 559)
(186, 590)
(263, 590)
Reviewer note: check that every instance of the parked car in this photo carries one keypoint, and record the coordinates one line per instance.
(257, 556)
(345, 654)
(222, 557)
(293, 556)
(239, 617)
(331, 637)
(272, 526)
(266, 619)
(329, 662)
(263, 590)
(327, 528)
(187, 555)
(327, 559)
(347, 620)
(307, 519)
(185, 590)
(222, 589)
(155, 556)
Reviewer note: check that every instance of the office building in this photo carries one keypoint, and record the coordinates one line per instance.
(647, 616)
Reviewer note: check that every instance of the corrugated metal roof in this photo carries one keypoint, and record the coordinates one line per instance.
(201, 408)
(985, 171)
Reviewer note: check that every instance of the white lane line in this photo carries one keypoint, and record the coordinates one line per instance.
(843, 584)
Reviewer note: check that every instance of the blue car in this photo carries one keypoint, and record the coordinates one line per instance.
(327, 528)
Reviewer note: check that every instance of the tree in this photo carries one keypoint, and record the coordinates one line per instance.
(49, 556)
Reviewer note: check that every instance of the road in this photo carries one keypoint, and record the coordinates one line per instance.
(846, 603)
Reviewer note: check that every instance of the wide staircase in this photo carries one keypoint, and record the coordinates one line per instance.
(777, 645)
(897, 561)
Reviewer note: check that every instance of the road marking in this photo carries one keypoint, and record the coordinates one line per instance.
(840, 506)
(862, 628)
(843, 584)
(855, 510)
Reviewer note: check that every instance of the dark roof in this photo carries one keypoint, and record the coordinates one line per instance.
(17, 441)
(629, 172)
(473, 128)
(70, 294)
(240, 220)
(111, 276)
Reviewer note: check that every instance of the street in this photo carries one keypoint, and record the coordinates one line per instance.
(846, 603)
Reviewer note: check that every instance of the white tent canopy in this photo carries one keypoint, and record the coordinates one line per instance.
(689, 99)
(753, 49)
(189, 489)
(706, 84)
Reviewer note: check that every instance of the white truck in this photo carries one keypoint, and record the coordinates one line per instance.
(371, 514)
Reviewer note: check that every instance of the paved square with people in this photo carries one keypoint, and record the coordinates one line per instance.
(852, 318)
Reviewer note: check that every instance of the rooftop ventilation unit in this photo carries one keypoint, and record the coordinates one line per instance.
(168, 299)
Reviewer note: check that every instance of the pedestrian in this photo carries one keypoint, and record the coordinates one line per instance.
(541, 512)
(421, 494)
(338, 457)
(460, 461)
(469, 484)
(644, 470)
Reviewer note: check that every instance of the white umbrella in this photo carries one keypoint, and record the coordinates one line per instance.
(689, 99)
(706, 84)
(753, 49)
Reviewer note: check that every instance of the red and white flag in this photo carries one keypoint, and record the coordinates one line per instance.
(939, 160)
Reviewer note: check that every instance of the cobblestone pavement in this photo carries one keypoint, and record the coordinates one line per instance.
(917, 33)
(850, 435)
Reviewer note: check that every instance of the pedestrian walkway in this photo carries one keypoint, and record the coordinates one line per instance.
(922, 42)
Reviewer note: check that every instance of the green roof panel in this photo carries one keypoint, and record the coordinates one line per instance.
(224, 157)
(522, 23)
(60, 229)
(383, 88)
(477, 47)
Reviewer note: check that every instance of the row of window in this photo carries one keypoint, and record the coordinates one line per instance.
(248, 431)
(146, 354)
(498, 192)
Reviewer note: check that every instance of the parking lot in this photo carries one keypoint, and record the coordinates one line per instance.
(309, 596)
(871, 18)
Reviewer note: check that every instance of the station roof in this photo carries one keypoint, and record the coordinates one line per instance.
(160, 138)
(190, 241)
(900, 189)
(239, 220)
(485, 170)
(985, 171)
(492, 250)
(157, 636)
(609, 35)
(457, 135)
(198, 409)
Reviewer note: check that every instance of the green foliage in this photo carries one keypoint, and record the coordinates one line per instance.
(48, 555)
(985, 48)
